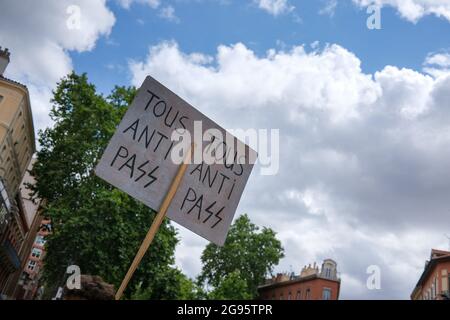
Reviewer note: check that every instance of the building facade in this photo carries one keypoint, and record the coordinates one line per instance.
(434, 283)
(313, 283)
(24, 282)
(17, 145)
(27, 286)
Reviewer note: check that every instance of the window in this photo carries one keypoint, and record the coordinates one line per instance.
(1, 98)
(299, 295)
(31, 265)
(289, 295)
(308, 294)
(4, 196)
(40, 240)
(328, 273)
(36, 253)
(45, 227)
(447, 292)
(435, 287)
(326, 294)
(3, 213)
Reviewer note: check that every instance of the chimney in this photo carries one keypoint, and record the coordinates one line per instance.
(4, 59)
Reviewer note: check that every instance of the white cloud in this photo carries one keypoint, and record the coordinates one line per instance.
(168, 13)
(413, 10)
(329, 8)
(275, 7)
(40, 43)
(437, 64)
(151, 3)
(363, 157)
(439, 59)
(407, 90)
(314, 88)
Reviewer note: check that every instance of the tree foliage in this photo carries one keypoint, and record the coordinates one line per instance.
(242, 263)
(182, 288)
(99, 228)
(95, 226)
(232, 287)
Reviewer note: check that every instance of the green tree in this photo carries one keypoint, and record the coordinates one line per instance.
(95, 226)
(232, 287)
(247, 256)
(182, 288)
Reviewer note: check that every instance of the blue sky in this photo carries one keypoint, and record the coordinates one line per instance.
(363, 164)
(203, 25)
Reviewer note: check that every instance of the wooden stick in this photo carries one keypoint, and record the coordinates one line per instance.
(156, 223)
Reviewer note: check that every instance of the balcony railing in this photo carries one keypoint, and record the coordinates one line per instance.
(9, 256)
(5, 209)
(5, 218)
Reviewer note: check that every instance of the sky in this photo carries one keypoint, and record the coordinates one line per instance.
(363, 113)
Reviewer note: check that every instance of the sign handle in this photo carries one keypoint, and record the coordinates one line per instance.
(156, 223)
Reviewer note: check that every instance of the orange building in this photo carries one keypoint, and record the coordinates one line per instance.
(311, 284)
(17, 145)
(30, 209)
(30, 279)
(434, 283)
